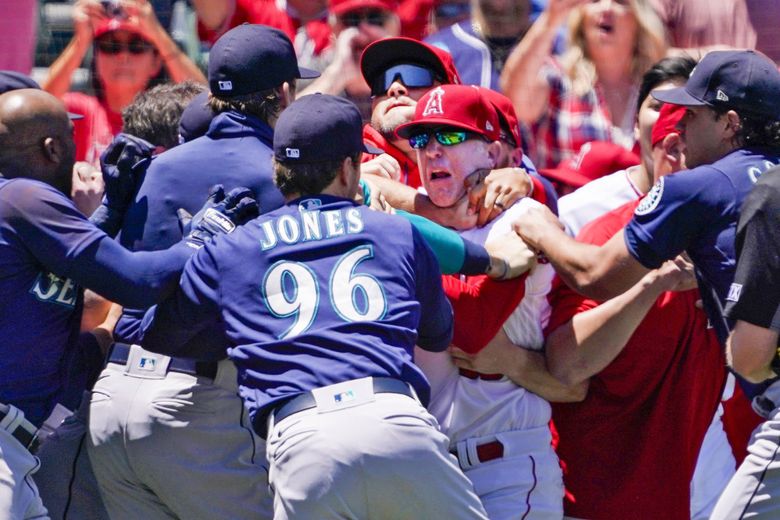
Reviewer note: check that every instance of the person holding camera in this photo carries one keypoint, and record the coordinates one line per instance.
(129, 49)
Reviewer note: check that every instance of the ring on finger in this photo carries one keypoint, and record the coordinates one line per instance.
(499, 204)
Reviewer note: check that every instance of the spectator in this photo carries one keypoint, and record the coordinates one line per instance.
(355, 25)
(130, 47)
(594, 160)
(480, 45)
(589, 93)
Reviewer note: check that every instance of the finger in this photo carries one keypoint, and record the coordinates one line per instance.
(216, 193)
(476, 196)
(509, 197)
(246, 209)
(185, 219)
(237, 194)
(489, 207)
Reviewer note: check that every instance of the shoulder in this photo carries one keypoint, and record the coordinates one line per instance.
(81, 103)
(20, 191)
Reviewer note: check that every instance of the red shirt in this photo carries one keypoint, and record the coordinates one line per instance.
(630, 449)
(95, 132)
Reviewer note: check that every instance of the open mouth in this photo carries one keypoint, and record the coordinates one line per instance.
(606, 26)
(438, 175)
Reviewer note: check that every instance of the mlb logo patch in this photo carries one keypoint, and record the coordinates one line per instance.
(147, 364)
(225, 85)
(292, 153)
(344, 397)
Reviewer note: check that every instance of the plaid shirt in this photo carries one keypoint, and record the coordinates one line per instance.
(571, 121)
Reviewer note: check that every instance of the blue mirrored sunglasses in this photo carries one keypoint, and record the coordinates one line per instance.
(412, 76)
(443, 137)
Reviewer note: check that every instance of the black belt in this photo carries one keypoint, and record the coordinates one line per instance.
(25, 432)
(306, 401)
(120, 352)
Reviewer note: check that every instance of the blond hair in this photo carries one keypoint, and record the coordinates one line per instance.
(649, 47)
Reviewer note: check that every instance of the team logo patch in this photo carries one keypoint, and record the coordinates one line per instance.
(651, 200)
(434, 105)
(734, 292)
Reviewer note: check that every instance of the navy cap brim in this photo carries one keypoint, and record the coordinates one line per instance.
(74, 117)
(372, 149)
(304, 73)
(677, 96)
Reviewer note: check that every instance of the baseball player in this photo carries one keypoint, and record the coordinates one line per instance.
(153, 418)
(50, 250)
(320, 320)
(498, 430)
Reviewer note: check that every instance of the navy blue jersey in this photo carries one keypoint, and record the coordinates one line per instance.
(697, 211)
(318, 292)
(236, 151)
(48, 248)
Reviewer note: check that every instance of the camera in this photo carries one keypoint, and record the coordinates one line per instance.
(113, 8)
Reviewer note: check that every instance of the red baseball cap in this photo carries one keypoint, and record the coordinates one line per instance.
(506, 111)
(339, 7)
(388, 52)
(668, 119)
(116, 24)
(594, 160)
(461, 106)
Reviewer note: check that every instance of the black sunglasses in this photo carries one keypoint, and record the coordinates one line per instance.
(412, 76)
(134, 46)
(354, 19)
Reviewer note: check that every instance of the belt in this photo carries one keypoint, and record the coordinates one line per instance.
(20, 428)
(120, 353)
(306, 401)
(476, 375)
(485, 452)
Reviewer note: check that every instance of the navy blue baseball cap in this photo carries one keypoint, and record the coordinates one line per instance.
(318, 128)
(196, 118)
(12, 80)
(741, 80)
(251, 58)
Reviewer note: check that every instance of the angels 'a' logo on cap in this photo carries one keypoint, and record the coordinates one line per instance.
(434, 105)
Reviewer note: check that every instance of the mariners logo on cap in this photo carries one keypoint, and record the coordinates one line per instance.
(651, 200)
(434, 105)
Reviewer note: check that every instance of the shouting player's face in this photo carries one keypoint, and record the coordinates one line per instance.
(444, 166)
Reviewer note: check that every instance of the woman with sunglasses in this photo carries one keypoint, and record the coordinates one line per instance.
(589, 93)
(129, 48)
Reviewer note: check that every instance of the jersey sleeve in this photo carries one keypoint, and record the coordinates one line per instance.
(454, 254)
(188, 323)
(435, 326)
(671, 215)
(67, 244)
(754, 296)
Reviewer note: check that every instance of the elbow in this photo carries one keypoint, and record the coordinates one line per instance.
(578, 392)
(748, 366)
(566, 370)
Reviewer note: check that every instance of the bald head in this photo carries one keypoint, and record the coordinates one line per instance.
(35, 138)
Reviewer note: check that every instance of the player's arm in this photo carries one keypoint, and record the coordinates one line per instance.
(751, 351)
(592, 339)
(524, 367)
(434, 331)
(188, 322)
(599, 272)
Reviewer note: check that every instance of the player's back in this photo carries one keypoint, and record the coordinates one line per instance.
(323, 291)
(236, 151)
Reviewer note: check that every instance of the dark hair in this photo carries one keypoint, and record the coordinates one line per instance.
(266, 104)
(755, 130)
(307, 178)
(154, 114)
(678, 67)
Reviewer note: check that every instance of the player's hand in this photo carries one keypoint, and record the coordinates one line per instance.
(509, 257)
(675, 275)
(87, 14)
(87, 189)
(491, 192)
(384, 165)
(494, 358)
(117, 163)
(221, 214)
(536, 224)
